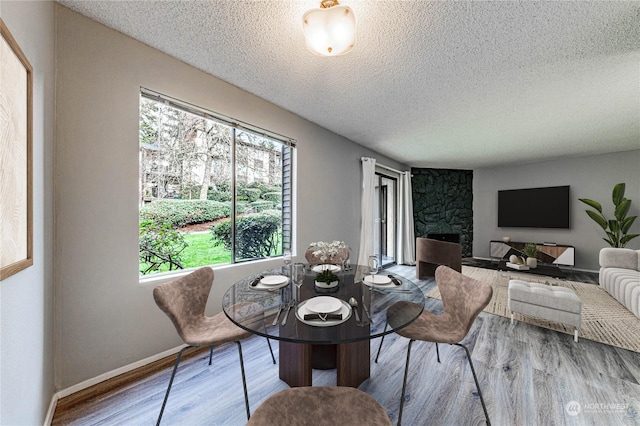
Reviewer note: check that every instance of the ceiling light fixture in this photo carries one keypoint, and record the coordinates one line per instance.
(329, 30)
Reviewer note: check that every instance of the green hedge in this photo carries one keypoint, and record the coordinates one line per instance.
(248, 194)
(257, 234)
(160, 244)
(275, 197)
(178, 213)
(262, 205)
(223, 196)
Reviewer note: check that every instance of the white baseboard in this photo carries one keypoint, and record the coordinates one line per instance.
(52, 409)
(113, 373)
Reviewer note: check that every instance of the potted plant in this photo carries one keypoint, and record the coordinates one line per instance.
(531, 251)
(617, 228)
(327, 278)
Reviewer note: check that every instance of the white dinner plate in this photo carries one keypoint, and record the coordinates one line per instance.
(320, 268)
(273, 280)
(377, 280)
(302, 310)
(261, 286)
(323, 305)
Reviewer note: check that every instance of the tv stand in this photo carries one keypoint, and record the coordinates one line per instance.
(548, 253)
(548, 270)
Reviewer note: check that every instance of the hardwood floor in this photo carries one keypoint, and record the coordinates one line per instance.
(528, 376)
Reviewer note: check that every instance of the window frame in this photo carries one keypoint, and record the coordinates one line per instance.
(285, 163)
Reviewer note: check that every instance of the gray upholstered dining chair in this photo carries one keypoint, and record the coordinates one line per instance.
(463, 299)
(184, 301)
(320, 406)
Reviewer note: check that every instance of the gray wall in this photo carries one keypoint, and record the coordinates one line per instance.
(26, 298)
(105, 317)
(589, 177)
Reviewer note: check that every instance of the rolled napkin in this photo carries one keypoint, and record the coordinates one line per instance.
(323, 317)
(395, 280)
(256, 281)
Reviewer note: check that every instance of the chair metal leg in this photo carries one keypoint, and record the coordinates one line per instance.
(437, 352)
(173, 374)
(271, 350)
(475, 378)
(244, 380)
(404, 383)
(273, 358)
(210, 353)
(381, 341)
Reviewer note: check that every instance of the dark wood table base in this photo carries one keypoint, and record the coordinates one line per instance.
(351, 360)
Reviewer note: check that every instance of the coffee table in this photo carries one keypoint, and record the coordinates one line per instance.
(305, 345)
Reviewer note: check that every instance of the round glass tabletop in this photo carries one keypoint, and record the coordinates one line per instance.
(270, 304)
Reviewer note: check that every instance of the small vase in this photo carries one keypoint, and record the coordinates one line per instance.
(532, 262)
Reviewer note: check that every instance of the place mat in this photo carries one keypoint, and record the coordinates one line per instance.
(604, 319)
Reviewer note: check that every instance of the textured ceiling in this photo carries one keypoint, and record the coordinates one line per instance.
(429, 84)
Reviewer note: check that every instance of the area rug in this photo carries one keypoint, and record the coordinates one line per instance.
(604, 319)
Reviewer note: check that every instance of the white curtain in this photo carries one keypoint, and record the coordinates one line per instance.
(367, 210)
(407, 240)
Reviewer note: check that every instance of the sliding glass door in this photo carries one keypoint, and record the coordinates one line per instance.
(386, 191)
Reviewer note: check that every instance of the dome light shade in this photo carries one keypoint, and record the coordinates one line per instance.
(329, 30)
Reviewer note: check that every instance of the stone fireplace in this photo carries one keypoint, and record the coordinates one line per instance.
(443, 205)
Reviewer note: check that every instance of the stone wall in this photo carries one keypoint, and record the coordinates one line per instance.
(443, 203)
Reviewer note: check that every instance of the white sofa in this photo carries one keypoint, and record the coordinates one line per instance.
(620, 276)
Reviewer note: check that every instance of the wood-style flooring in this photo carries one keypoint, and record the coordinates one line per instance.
(528, 376)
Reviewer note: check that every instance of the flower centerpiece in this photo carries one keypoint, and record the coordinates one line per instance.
(327, 251)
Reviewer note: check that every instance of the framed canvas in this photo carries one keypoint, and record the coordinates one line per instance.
(16, 180)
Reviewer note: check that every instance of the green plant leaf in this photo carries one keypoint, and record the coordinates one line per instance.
(596, 205)
(622, 209)
(624, 240)
(616, 229)
(598, 218)
(618, 193)
(626, 224)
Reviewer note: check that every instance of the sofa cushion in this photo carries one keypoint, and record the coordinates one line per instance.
(623, 285)
(620, 258)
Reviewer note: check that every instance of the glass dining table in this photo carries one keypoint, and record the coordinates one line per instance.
(319, 325)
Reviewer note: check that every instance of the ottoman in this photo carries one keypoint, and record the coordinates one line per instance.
(543, 301)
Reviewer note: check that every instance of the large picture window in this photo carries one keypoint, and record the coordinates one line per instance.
(212, 191)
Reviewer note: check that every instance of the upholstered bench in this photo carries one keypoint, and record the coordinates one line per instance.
(558, 304)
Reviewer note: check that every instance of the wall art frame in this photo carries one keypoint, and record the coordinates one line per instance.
(16, 157)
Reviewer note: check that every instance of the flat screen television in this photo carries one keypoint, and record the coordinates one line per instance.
(534, 208)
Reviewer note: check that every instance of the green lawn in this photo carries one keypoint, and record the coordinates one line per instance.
(200, 251)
